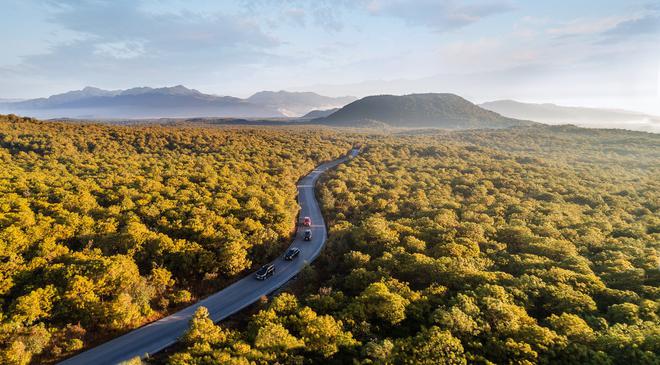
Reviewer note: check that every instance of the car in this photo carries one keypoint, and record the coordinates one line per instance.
(292, 253)
(265, 272)
(307, 235)
(307, 221)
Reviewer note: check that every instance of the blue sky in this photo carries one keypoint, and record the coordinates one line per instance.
(580, 52)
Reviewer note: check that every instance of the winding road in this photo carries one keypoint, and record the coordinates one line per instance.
(166, 331)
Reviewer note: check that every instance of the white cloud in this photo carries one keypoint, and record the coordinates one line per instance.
(119, 44)
(657, 90)
(327, 14)
(647, 25)
(579, 27)
(470, 54)
(441, 15)
(297, 16)
(120, 50)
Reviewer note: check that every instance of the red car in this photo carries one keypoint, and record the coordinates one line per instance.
(307, 221)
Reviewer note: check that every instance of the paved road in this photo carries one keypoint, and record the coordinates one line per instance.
(165, 332)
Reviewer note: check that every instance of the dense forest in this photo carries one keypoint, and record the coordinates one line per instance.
(525, 245)
(520, 246)
(104, 228)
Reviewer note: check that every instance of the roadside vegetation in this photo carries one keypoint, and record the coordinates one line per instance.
(104, 228)
(523, 246)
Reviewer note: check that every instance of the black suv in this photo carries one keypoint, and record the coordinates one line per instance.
(265, 272)
(292, 253)
(307, 235)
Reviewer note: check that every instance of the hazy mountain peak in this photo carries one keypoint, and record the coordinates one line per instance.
(280, 92)
(296, 103)
(167, 90)
(581, 116)
(136, 90)
(93, 90)
(86, 92)
(178, 90)
(171, 101)
(268, 94)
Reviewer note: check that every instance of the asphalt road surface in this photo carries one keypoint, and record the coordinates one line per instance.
(165, 332)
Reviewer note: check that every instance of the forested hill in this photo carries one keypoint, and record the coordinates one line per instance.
(418, 110)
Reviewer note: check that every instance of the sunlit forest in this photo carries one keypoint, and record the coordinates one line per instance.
(105, 228)
(521, 246)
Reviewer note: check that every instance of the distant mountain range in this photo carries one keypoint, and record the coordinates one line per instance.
(583, 117)
(297, 103)
(446, 111)
(169, 102)
(432, 110)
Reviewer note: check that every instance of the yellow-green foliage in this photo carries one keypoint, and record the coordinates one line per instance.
(101, 226)
(546, 240)
(520, 246)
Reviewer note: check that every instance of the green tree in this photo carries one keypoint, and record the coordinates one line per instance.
(274, 336)
(430, 346)
(203, 330)
(379, 302)
(325, 335)
(35, 305)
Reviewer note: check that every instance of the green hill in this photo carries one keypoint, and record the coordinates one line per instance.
(419, 110)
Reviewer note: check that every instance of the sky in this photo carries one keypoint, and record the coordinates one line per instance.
(601, 53)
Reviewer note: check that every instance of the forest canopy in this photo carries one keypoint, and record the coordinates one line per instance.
(520, 246)
(103, 228)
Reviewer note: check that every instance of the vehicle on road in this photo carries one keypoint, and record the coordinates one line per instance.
(265, 272)
(292, 253)
(307, 221)
(307, 235)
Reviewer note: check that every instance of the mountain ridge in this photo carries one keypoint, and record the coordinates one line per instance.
(295, 103)
(551, 113)
(173, 101)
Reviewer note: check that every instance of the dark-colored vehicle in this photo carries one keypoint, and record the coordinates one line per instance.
(292, 253)
(265, 272)
(307, 235)
(307, 221)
